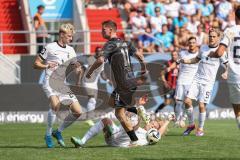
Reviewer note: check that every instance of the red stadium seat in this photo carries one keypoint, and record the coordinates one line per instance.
(11, 21)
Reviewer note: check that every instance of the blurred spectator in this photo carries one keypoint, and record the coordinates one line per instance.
(180, 21)
(139, 23)
(180, 39)
(206, 23)
(157, 22)
(192, 24)
(190, 8)
(131, 5)
(164, 40)
(202, 37)
(223, 10)
(206, 8)
(150, 8)
(40, 27)
(172, 9)
(146, 42)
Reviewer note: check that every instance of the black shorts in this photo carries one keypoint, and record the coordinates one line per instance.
(124, 98)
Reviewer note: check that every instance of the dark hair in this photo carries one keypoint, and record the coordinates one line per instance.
(111, 24)
(192, 37)
(157, 9)
(237, 12)
(40, 6)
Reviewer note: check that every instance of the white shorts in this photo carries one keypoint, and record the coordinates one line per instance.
(65, 99)
(120, 138)
(181, 91)
(200, 92)
(234, 93)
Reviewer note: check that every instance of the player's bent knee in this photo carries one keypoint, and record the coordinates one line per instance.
(188, 102)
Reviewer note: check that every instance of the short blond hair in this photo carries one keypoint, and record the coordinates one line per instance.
(66, 27)
(216, 30)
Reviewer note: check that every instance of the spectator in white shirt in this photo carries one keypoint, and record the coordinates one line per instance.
(157, 22)
(138, 23)
(192, 24)
(172, 9)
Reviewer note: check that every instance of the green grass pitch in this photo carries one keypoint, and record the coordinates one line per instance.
(25, 142)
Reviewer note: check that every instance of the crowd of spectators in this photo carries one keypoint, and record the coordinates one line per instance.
(165, 25)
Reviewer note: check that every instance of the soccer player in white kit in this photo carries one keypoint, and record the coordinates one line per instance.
(51, 58)
(116, 136)
(202, 84)
(231, 43)
(185, 76)
(91, 85)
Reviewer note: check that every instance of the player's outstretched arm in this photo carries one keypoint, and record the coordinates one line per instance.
(38, 64)
(96, 64)
(219, 52)
(165, 124)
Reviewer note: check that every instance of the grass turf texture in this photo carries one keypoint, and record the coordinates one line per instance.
(25, 142)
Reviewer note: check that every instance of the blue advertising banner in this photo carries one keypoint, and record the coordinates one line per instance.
(54, 9)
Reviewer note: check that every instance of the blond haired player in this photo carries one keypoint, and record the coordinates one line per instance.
(231, 44)
(51, 57)
(203, 81)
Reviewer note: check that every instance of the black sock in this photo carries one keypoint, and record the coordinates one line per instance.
(132, 135)
(132, 109)
(161, 106)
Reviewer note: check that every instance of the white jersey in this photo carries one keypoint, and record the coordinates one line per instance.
(231, 40)
(208, 67)
(53, 52)
(92, 82)
(186, 71)
(121, 139)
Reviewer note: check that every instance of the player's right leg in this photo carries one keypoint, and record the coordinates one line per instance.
(105, 125)
(181, 91)
(69, 120)
(201, 119)
(189, 112)
(54, 106)
(193, 93)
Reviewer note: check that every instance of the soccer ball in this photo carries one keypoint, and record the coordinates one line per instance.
(153, 136)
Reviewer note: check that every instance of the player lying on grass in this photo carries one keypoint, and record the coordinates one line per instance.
(116, 136)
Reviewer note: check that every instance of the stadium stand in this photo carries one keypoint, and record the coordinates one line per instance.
(95, 18)
(11, 21)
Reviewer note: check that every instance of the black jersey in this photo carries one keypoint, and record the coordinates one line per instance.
(118, 53)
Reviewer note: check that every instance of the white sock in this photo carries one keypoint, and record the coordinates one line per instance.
(238, 121)
(51, 117)
(94, 130)
(91, 104)
(67, 122)
(189, 112)
(201, 119)
(179, 110)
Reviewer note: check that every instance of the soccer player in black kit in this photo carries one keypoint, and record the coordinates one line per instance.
(118, 52)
